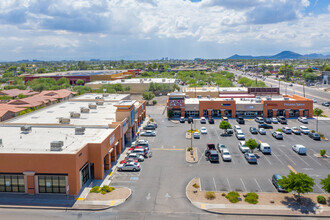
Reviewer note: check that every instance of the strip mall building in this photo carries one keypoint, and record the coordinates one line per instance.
(60, 148)
(240, 104)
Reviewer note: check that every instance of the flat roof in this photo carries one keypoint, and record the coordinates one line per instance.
(215, 89)
(106, 97)
(102, 116)
(39, 139)
(134, 81)
(80, 73)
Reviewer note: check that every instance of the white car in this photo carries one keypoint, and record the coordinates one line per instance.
(274, 120)
(203, 130)
(299, 149)
(237, 127)
(314, 100)
(148, 133)
(135, 156)
(130, 166)
(242, 146)
(197, 135)
(304, 129)
(262, 131)
(225, 155)
(240, 135)
(303, 120)
(203, 120)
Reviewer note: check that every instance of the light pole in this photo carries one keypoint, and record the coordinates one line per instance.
(191, 134)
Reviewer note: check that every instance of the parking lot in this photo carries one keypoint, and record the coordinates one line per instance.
(160, 185)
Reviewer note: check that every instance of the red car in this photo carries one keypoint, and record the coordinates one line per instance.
(129, 160)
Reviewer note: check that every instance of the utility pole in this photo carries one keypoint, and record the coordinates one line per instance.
(191, 134)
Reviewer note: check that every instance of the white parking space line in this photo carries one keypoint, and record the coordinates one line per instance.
(201, 153)
(243, 185)
(272, 185)
(278, 158)
(320, 188)
(267, 160)
(287, 156)
(296, 155)
(228, 184)
(313, 151)
(315, 160)
(258, 184)
(215, 185)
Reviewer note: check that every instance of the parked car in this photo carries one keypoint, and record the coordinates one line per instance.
(278, 135)
(303, 120)
(128, 160)
(149, 127)
(274, 120)
(197, 135)
(242, 146)
(190, 120)
(240, 135)
(182, 120)
(282, 120)
(286, 130)
(148, 133)
(290, 84)
(260, 120)
(211, 121)
(230, 131)
(224, 119)
(253, 130)
(131, 166)
(314, 136)
(240, 120)
(209, 147)
(326, 104)
(262, 131)
(221, 147)
(299, 149)
(134, 156)
(203, 130)
(314, 100)
(140, 143)
(251, 158)
(265, 126)
(237, 127)
(264, 148)
(304, 129)
(275, 179)
(213, 156)
(203, 120)
(268, 120)
(153, 123)
(296, 130)
(226, 155)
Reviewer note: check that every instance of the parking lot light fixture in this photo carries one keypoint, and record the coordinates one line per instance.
(191, 135)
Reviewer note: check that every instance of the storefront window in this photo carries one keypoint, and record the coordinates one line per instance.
(12, 183)
(205, 113)
(85, 174)
(270, 113)
(216, 113)
(52, 184)
(305, 113)
(228, 113)
(280, 113)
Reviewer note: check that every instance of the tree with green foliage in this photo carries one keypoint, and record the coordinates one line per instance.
(41, 70)
(21, 96)
(317, 112)
(224, 125)
(82, 65)
(309, 76)
(326, 184)
(298, 182)
(23, 67)
(252, 144)
(127, 88)
(148, 96)
(82, 89)
(243, 81)
(287, 71)
(80, 82)
(5, 97)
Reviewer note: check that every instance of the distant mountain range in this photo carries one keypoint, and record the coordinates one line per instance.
(281, 56)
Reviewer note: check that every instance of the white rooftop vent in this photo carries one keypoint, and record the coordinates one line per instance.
(79, 130)
(286, 98)
(92, 106)
(26, 129)
(141, 80)
(164, 80)
(84, 110)
(99, 102)
(105, 95)
(268, 98)
(56, 146)
(64, 120)
(74, 115)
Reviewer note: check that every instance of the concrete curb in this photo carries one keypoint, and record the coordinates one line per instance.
(116, 203)
(250, 214)
(188, 154)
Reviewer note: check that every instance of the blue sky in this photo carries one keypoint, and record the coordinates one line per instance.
(152, 29)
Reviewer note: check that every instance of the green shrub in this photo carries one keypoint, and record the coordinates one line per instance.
(189, 148)
(323, 152)
(223, 194)
(313, 131)
(107, 188)
(321, 200)
(154, 102)
(152, 120)
(196, 185)
(103, 192)
(321, 135)
(279, 130)
(251, 198)
(210, 195)
(232, 197)
(95, 189)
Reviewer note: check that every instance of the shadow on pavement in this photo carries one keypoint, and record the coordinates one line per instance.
(304, 205)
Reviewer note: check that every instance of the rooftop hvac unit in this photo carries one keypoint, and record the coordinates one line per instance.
(64, 120)
(286, 98)
(79, 130)
(268, 98)
(141, 80)
(84, 110)
(92, 106)
(122, 80)
(26, 129)
(56, 146)
(99, 102)
(74, 115)
(105, 95)
(164, 80)
(208, 96)
(1, 145)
